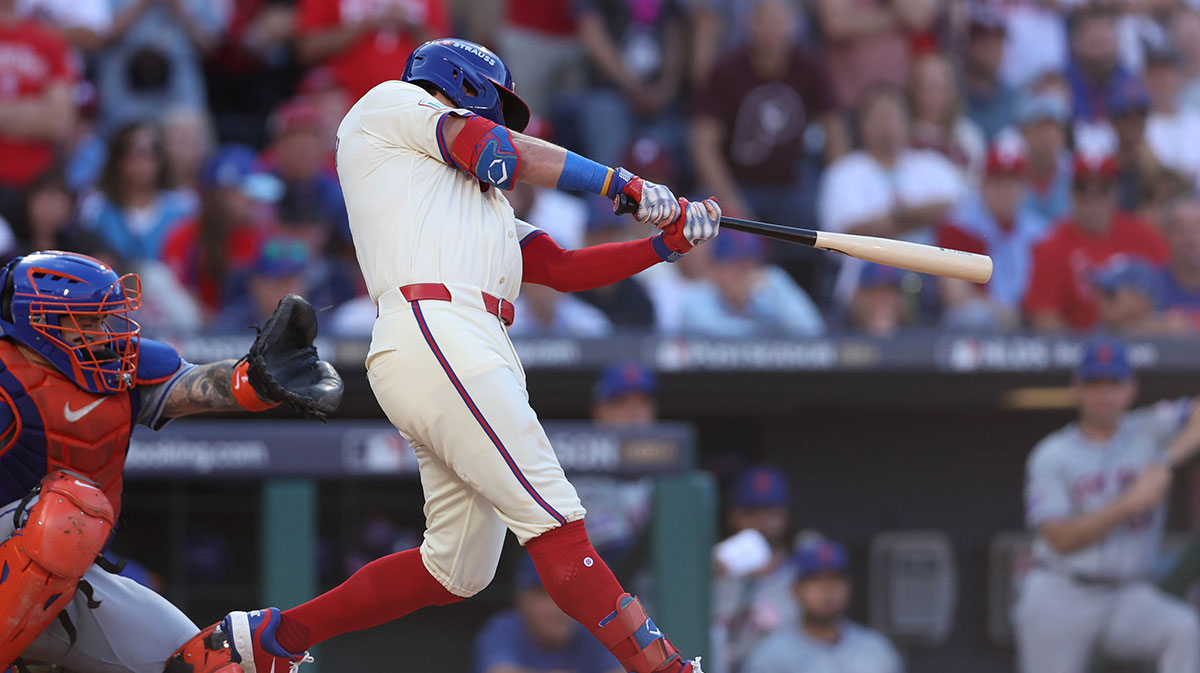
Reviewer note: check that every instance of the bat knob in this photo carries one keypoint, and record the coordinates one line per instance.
(624, 205)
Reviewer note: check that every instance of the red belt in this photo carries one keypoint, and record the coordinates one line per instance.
(501, 308)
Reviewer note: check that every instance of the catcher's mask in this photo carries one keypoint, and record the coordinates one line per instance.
(74, 311)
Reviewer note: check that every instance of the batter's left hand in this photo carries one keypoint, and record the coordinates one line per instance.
(656, 204)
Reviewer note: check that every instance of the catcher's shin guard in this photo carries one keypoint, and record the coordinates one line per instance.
(634, 640)
(42, 563)
(203, 653)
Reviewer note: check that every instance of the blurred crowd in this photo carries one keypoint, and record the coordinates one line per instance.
(192, 141)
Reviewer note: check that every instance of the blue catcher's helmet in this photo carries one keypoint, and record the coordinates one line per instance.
(472, 76)
(74, 311)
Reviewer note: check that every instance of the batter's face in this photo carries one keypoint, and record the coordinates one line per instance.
(824, 597)
(1103, 402)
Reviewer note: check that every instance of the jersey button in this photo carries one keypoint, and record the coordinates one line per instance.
(501, 280)
(510, 234)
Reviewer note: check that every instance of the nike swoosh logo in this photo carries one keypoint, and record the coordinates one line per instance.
(74, 415)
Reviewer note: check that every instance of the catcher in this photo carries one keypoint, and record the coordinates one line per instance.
(75, 377)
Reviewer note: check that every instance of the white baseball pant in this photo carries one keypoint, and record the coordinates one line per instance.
(448, 378)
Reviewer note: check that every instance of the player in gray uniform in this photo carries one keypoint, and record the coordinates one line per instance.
(1095, 493)
(823, 641)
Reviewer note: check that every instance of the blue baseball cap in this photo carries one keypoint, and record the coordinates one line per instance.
(1104, 358)
(764, 486)
(622, 378)
(1133, 273)
(237, 166)
(820, 556)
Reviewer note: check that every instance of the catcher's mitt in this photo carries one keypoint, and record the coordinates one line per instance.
(283, 366)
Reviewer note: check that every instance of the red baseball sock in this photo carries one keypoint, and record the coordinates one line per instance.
(578, 580)
(385, 589)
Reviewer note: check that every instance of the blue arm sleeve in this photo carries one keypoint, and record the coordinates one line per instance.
(580, 174)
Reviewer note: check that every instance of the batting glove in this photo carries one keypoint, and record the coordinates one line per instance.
(697, 222)
(656, 204)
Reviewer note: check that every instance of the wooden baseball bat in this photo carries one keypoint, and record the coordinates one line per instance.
(903, 254)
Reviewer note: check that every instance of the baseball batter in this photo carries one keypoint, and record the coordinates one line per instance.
(75, 377)
(423, 163)
(1095, 495)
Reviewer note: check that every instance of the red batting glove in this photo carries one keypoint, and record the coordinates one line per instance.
(633, 189)
(673, 232)
(697, 222)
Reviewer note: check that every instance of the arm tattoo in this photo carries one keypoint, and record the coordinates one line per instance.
(202, 388)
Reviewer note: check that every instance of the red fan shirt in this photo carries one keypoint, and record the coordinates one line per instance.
(1063, 265)
(549, 17)
(32, 58)
(377, 56)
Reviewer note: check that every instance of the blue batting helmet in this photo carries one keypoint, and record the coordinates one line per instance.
(74, 311)
(472, 76)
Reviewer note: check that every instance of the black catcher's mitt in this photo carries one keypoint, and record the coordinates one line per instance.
(283, 366)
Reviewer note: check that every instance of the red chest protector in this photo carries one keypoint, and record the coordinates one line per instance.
(68, 426)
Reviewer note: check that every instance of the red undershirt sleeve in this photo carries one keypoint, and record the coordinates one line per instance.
(545, 263)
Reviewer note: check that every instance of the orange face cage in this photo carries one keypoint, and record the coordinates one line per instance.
(99, 337)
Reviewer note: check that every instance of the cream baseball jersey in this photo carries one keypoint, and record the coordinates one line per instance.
(414, 217)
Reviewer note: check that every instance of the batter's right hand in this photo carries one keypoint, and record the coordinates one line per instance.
(1148, 490)
(656, 204)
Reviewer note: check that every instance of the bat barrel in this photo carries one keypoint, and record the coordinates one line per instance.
(912, 256)
(903, 254)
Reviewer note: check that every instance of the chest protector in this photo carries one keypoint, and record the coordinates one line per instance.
(60, 426)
